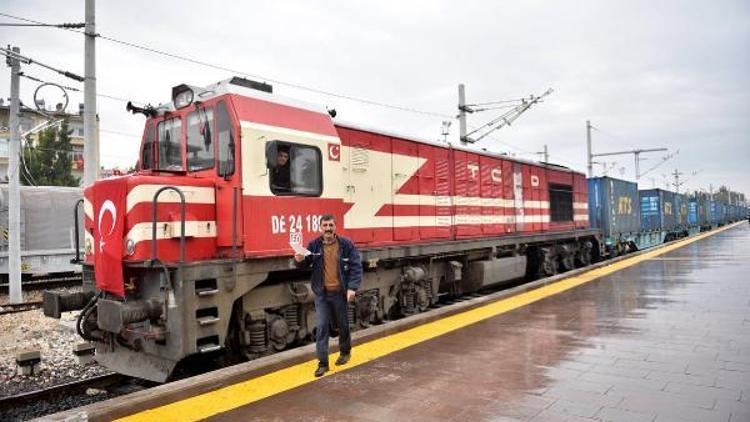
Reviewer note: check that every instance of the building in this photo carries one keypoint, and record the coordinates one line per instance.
(31, 121)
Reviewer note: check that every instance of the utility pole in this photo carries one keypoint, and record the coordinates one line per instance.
(677, 183)
(462, 114)
(590, 159)
(90, 132)
(14, 194)
(545, 154)
(636, 152)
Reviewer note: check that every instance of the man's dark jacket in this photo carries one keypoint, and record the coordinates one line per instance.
(350, 265)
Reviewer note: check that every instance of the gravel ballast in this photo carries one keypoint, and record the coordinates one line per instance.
(55, 339)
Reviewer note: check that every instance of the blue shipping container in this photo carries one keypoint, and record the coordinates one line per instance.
(657, 210)
(681, 209)
(614, 206)
(693, 213)
(713, 212)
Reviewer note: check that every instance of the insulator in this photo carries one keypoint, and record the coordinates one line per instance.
(258, 336)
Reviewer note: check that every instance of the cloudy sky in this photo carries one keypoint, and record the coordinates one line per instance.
(647, 74)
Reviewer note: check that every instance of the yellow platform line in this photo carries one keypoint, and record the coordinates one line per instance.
(246, 392)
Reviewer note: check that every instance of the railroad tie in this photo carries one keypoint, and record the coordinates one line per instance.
(84, 352)
(27, 362)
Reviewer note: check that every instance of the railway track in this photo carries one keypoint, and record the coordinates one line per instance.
(20, 307)
(68, 395)
(40, 283)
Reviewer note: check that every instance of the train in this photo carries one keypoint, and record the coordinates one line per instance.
(191, 257)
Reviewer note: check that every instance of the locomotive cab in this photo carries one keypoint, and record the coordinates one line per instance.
(163, 242)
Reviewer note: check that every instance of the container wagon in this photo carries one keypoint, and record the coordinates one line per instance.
(614, 208)
(658, 220)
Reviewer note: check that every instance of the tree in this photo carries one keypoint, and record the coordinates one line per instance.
(49, 162)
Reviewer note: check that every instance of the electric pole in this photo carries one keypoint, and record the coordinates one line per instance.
(14, 194)
(590, 159)
(90, 132)
(462, 114)
(545, 154)
(677, 183)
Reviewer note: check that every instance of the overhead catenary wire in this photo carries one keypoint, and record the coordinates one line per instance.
(251, 75)
(508, 117)
(70, 88)
(488, 105)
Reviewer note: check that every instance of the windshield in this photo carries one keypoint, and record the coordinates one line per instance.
(200, 147)
(170, 144)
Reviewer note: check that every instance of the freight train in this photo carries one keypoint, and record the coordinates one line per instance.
(191, 256)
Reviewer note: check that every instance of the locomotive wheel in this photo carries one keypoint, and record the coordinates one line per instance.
(568, 262)
(584, 254)
(584, 257)
(548, 266)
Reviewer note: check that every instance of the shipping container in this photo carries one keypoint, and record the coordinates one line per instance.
(46, 216)
(681, 206)
(699, 212)
(693, 213)
(657, 210)
(613, 206)
(713, 216)
(47, 228)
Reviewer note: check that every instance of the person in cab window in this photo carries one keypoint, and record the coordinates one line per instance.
(280, 180)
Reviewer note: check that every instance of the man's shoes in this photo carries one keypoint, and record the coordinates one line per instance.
(343, 359)
(322, 369)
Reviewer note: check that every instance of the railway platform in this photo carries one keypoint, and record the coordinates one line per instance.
(660, 336)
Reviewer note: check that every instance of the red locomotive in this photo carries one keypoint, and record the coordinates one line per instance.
(191, 254)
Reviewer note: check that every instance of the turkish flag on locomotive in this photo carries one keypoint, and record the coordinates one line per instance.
(109, 231)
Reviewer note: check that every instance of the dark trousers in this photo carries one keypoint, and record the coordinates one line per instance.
(331, 303)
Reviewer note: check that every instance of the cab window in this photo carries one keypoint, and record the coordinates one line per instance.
(294, 169)
(225, 137)
(147, 155)
(170, 144)
(200, 146)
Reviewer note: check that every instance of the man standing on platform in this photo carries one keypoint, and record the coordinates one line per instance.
(336, 274)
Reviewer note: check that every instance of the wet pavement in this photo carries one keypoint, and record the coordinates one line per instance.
(667, 339)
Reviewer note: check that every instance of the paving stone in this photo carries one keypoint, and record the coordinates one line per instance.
(611, 414)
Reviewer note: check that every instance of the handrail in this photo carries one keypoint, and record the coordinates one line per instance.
(77, 259)
(169, 291)
(155, 220)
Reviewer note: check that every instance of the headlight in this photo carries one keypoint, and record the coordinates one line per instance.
(182, 96)
(130, 247)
